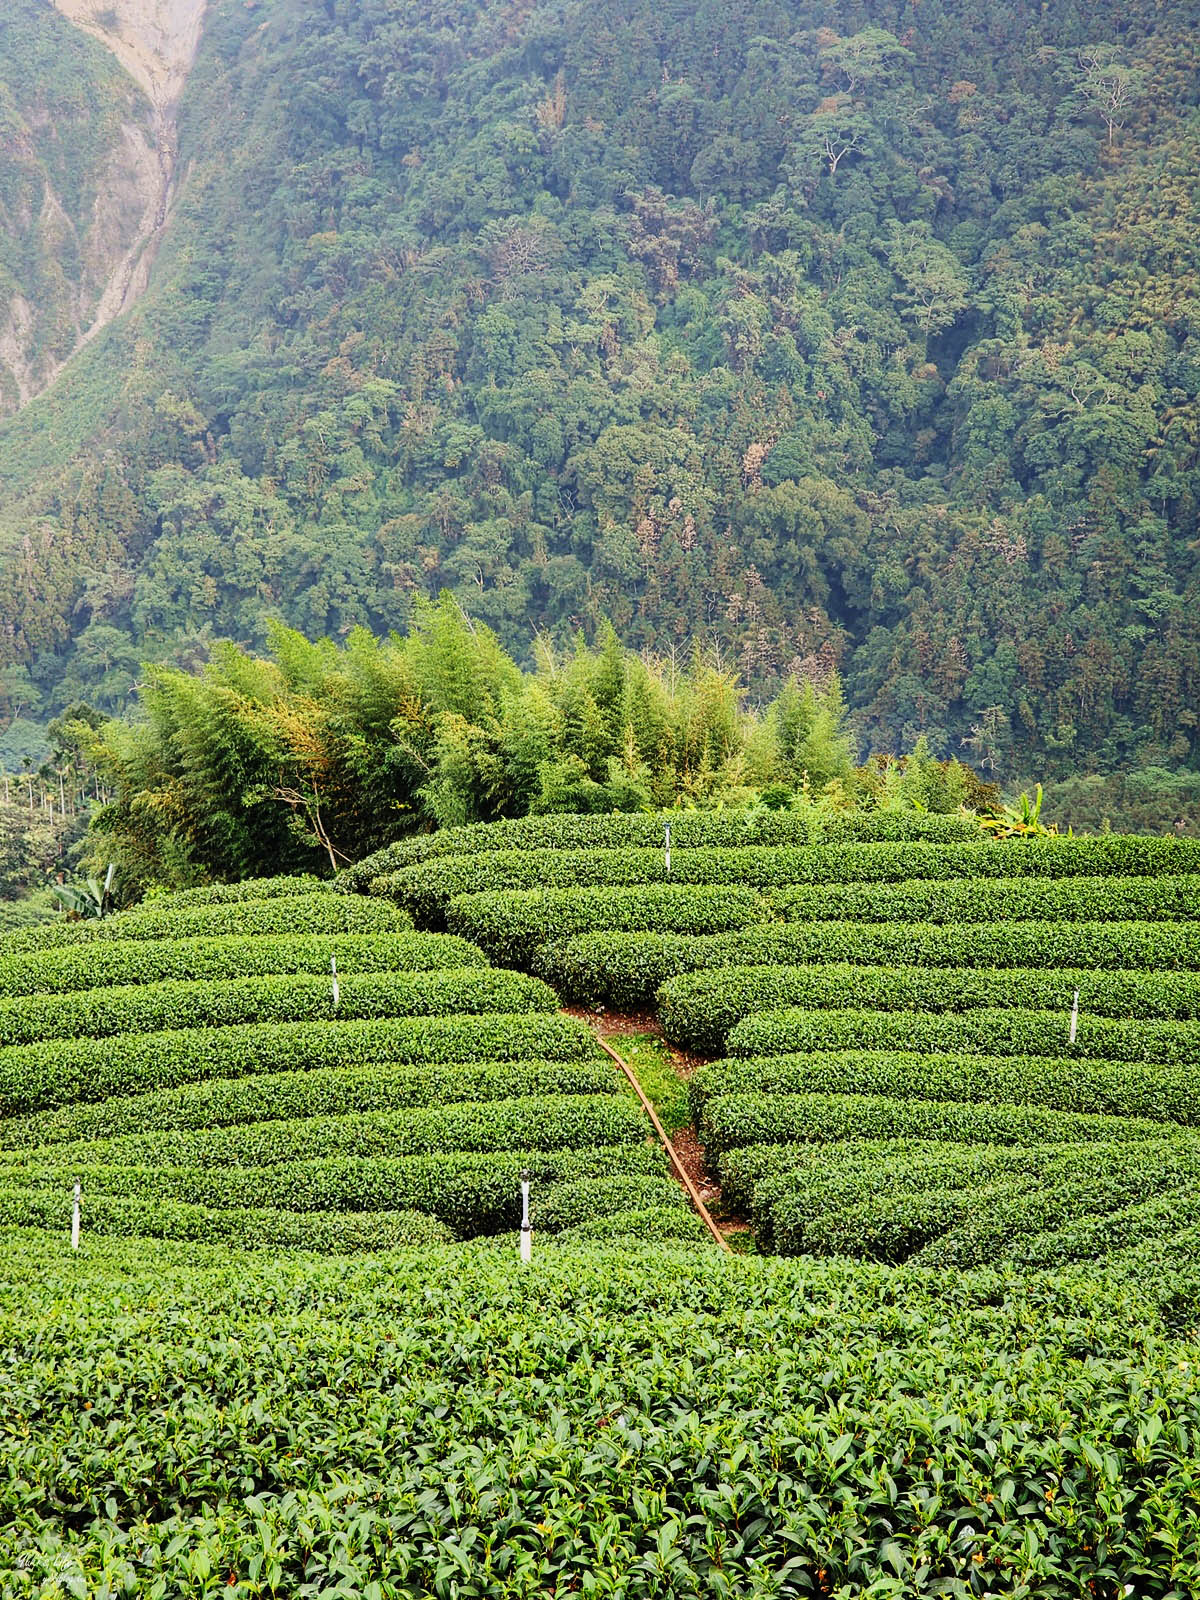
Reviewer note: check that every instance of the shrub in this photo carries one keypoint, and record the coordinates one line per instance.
(698, 1009)
(1125, 1088)
(127, 961)
(319, 1092)
(142, 1008)
(689, 830)
(330, 1232)
(1083, 899)
(471, 1193)
(426, 888)
(509, 925)
(961, 1213)
(571, 1205)
(625, 970)
(1089, 1238)
(649, 1222)
(736, 1119)
(308, 913)
(530, 1123)
(215, 894)
(982, 1032)
(61, 1072)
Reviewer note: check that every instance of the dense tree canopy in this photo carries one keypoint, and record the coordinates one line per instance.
(825, 335)
(316, 755)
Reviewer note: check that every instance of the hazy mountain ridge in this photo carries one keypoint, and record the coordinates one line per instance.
(830, 334)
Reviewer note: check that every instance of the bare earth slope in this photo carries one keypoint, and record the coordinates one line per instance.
(114, 238)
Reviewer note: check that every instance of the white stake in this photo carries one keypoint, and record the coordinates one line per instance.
(668, 849)
(75, 1221)
(1074, 1016)
(526, 1230)
(337, 992)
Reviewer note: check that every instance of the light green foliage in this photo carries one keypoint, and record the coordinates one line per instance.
(456, 1349)
(1145, 899)
(315, 913)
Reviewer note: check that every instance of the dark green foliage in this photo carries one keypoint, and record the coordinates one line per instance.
(328, 1091)
(510, 925)
(705, 320)
(967, 1206)
(102, 962)
(626, 970)
(690, 830)
(698, 1009)
(532, 1122)
(1145, 899)
(471, 1192)
(985, 1031)
(59, 1073)
(150, 1007)
(309, 913)
(426, 888)
(570, 1205)
(740, 1119)
(1152, 1091)
(641, 1224)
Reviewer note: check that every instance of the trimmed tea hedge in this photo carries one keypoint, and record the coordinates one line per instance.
(1084, 899)
(736, 1119)
(126, 961)
(1030, 1440)
(306, 913)
(961, 1213)
(143, 1008)
(426, 888)
(643, 1224)
(698, 1009)
(509, 926)
(625, 970)
(215, 894)
(1089, 1238)
(318, 1092)
(329, 1232)
(1125, 1088)
(34, 1077)
(570, 1205)
(532, 1123)
(983, 1032)
(471, 1193)
(689, 830)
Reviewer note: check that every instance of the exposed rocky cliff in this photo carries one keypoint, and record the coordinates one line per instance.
(89, 179)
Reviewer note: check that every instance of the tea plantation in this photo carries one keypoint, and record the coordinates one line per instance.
(297, 1353)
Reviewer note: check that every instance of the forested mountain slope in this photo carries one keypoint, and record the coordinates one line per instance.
(856, 334)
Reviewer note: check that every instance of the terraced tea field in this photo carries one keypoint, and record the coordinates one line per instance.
(304, 1069)
(297, 1354)
(898, 1070)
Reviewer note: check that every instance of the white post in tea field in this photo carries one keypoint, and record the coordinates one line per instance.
(526, 1230)
(75, 1220)
(1074, 1017)
(667, 848)
(337, 988)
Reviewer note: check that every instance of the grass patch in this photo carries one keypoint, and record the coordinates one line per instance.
(652, 1061)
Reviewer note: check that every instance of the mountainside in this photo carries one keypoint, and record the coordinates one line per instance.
(862, 335)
